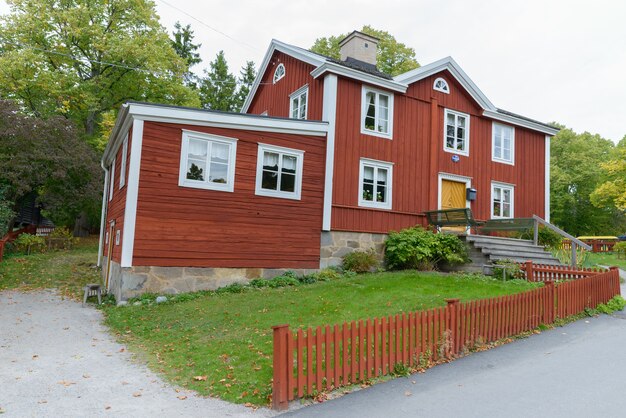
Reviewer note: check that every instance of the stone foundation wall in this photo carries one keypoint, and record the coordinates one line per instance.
(336, 244)
(128, 282)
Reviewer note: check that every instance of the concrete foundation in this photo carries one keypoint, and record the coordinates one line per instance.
(336, 244)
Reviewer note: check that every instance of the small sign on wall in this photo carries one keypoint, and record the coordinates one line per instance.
(455, 158)
(117, 237)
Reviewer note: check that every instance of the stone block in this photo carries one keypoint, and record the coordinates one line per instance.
(353, 244)
(167, 273)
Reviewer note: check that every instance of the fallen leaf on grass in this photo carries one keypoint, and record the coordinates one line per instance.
(199, 378)
(66, 383)
(252, 406)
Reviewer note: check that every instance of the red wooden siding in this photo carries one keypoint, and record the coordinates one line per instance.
(116, 206)
(274, 98)
(416, 151)
(179, 226)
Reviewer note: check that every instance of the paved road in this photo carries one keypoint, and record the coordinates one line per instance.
(57, 360)
(575, 371)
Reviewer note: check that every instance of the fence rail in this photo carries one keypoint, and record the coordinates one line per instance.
(597, 245)
(545, 272)
(328, 357)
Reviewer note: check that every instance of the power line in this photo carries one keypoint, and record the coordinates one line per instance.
(251, 47)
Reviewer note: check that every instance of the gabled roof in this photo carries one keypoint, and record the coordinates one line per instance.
(368, 73)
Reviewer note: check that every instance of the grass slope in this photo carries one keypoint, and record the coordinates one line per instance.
(228, 337)
(605, 259)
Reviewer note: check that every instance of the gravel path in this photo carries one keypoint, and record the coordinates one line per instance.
(57, 359)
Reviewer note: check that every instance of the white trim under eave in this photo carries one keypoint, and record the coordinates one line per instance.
(547, 180)
(330, 67)
(132, 191)
(329, 114)
(520, 122)
(275, 45)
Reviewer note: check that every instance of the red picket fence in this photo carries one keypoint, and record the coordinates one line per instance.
(597, 245)
(327, 357)
(545, 272)
(13, 235)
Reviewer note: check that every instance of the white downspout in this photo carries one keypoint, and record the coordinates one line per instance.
(103, 212)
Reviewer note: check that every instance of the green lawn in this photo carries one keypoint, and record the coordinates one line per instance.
(228, 337)
(67, 271)
(605, 259)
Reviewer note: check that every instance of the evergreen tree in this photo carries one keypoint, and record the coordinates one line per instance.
(246, 78)
(218, 87)
(182, 43)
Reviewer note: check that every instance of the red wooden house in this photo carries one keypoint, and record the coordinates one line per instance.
(331, 155)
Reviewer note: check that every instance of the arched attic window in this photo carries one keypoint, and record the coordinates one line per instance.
(441, 85)
(279, 73)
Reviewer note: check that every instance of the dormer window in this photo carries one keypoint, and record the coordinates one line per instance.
(279, 73)
(441, 85)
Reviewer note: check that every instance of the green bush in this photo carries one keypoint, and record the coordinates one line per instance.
(417, 248)
(617, 303)
(545, 237)
(565, 256)
(28, 243)
(620, 249)
(6, 212)
(507, 270)
(63, 238)
(360, 261)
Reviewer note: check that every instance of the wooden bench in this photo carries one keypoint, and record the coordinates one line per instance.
(512, 224)
(452, 217)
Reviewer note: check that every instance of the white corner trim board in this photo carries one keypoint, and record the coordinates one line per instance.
(329, 114)
(132, 191)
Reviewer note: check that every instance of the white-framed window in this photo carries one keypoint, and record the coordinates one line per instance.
(298, 103)
(111, 180)
(375, 183)
(376, 112)
(441, 85)
(123, 165)
(279, 72)
(503, 143)
(207, 161)
(279, 172)
(502, 200)
(456, 132)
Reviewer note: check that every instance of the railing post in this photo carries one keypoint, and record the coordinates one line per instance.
(536, 232)
(454, 332)
(529, 271)
(280, 383)
(574, 245)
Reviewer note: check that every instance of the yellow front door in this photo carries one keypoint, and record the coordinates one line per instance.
(453, 197)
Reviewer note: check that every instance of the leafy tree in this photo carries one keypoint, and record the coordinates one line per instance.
(576, 172)
(612, 192)
(6, 212)
(218, 87)
(246, 79)
(47, 156)
(186, 49)
(392, 57)
(79, 58)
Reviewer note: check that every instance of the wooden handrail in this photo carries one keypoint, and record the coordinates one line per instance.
(575, 241)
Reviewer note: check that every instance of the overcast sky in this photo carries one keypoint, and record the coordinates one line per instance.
(552, 60)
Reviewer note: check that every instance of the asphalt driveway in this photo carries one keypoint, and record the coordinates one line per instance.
(56, 359)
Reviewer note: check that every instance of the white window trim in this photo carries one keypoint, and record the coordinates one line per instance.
(364, 91)
(378, 164)
(493, 144)
(123, 165)
(299, 154)
(445, 89)
(467, 132)
(501, 185)
(296, 95)
(112, 180)
(276, 80)
(183, 181)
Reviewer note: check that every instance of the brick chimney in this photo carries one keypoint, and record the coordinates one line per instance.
(360, 46)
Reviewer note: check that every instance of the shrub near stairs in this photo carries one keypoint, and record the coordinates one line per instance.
(417, 248)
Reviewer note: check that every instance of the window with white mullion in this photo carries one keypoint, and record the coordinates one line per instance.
(208, 161)
(299, 103)
(501, 201)
(279, 172)
(503, 143)
(377, 113)
(456, 132)
(375, 184)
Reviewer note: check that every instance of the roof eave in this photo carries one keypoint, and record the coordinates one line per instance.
(330, 67)
(535, 126)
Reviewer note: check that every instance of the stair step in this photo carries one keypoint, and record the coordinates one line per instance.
(517, 253)
(483, 238)
(529, 249)
(551, 262)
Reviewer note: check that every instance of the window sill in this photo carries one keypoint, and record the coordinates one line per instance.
(280, 195)
(374, 205)
(376, 134)
(453, 151)
(206, 186)
(498, 160)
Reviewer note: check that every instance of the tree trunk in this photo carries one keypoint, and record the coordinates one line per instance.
(81, 226)
(90, 123)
